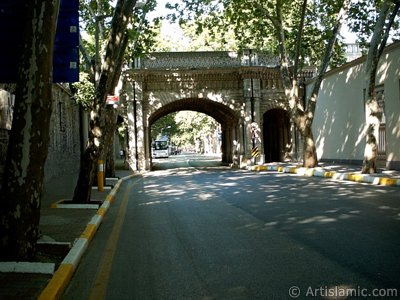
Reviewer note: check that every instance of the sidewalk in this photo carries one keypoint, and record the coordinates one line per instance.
(61, 229)
(335, 171)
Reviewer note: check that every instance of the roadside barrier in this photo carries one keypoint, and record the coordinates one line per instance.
(321, 172)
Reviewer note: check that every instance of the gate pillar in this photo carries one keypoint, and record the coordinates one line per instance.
(252, 95)
(132, 92)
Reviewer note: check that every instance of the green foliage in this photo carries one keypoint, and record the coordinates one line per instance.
(143, 32)
(164, 125)
(184, 127)
(84, 91)
(252, 24)
(141, 36)
(192, 126)
(209, 39)
(362, 19)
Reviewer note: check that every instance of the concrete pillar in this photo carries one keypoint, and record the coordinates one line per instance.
(146, 162)
(141, 127)
(252, 92)
(242, 137)
(127, 98)
(132, 92)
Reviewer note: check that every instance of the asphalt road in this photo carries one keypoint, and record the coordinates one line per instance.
(196, 232)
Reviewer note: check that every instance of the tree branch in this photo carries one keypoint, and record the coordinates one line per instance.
(388, 27)
(264, 11)
(327, 57)
(86, 58)
(299, 38)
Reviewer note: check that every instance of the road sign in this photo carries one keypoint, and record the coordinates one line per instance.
(112, 99)
(66, 43)
(255, 152)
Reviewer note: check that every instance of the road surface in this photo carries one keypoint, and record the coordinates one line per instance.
(191, 232)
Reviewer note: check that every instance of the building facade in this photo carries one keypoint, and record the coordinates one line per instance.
(339, 124)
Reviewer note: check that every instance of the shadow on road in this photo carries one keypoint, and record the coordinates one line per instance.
(353, 225)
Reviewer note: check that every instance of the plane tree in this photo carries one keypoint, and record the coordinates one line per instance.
(121, 28)
(373, 21)
(302, 33)
(20, 197)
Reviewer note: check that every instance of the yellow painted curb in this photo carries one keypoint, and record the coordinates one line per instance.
(260, 168)
(102, 211)
(281, 169)
(63, 275)
(89, 232)
(293, 170)
(387, 181)
(58, 283)
(329, 174)
(356, 177)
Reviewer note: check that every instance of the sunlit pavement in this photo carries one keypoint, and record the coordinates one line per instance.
(194, 232)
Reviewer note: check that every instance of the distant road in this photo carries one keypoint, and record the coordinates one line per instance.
(189, 231)
(185, 160)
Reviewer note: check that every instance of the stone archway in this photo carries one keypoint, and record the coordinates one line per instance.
(226, 86)
(276, 134)
(220, 112)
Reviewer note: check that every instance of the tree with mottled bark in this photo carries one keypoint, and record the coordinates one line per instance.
(137, 39)
(28, 145)
(303, 115)
(98, 116)
(374, 111)
(301, 32)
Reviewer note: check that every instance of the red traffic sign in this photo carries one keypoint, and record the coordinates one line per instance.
(112, 99)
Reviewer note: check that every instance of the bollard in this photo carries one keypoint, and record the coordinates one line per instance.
(100, 176)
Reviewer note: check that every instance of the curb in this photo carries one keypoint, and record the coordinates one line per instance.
(27, 267)
(320, 172)
(63, 275)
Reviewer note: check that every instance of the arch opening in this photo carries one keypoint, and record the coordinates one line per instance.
(225, 116)
(188, 131)
(276, 134)
(220, 112)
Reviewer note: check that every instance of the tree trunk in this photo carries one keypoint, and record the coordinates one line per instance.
(371, 150)
(109, 142)
(29, 139)
(112, 113)
(98, 121)
(303, 116)
(90, 157)
(373, 110)
(310, 151)
(87, 169)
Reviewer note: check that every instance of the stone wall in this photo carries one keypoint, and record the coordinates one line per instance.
(339, 122)
(64, 147)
